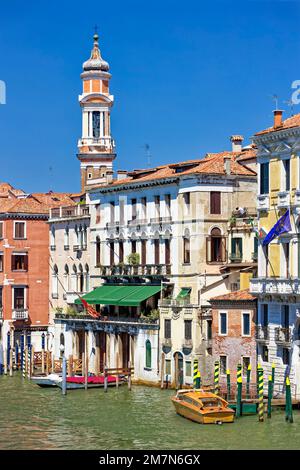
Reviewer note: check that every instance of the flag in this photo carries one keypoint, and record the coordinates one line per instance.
(260, 233)
(90, 310)
(282, 225)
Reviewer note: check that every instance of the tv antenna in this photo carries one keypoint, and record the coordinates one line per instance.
(275, 99)
(148, 155)
(290, 104)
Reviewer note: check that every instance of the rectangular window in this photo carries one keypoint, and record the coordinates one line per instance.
(144, 251)
(187, 202)
(168, 204)
(223, 323)
(19, 297)
(144, 207)
(168, 366)
(188, 368)
(112, 212)
(19, 262)
(215, 202)
(156, 251)
(264, 315)
(96, 124)
(216, 251)
(245, 363)
(188, 329)
(167, 252)
(167, 329)
(209, 329)
(112, 253)
(265, 353)
(246, 324)
(121, 252)
(157, 206)
(237, 248)
(223, 365)
(186, 250)
(286, 356)
(1, 261)
(264, 178)
(286, 167)
(19, 230)
(1, 230)
(133, 209)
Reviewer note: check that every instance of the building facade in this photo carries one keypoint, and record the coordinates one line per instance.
(276, 286)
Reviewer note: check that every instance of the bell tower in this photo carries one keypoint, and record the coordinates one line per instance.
(96, 148)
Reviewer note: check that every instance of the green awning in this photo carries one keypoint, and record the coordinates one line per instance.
(184, 292)
(129, 296)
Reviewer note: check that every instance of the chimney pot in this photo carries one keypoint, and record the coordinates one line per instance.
(237, 141)
(277, 118)
(122, 174)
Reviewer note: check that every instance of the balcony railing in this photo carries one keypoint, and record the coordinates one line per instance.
(104, 142)
(52, 247)
(275, 286)
(235, 258)
(20, 314)
(113, 225)
(263, 202)
(283, 335)
(136, 270)
(107, 318)
(174, 303)
(161, 220)
(135, 222)
(262, 333)
(79, 247)
(76, 211)
(167, 342)
(187, 344)
(283, 199)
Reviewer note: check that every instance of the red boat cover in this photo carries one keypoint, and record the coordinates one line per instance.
(91, 380)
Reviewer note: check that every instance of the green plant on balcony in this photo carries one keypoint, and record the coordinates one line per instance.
(133, 259)
(150, 317)
(232, 221)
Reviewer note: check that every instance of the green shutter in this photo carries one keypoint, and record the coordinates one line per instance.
(148, 354)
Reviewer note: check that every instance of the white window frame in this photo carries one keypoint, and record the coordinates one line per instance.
(245, 312)
(221, 312)
(13, 295)
(25, 229)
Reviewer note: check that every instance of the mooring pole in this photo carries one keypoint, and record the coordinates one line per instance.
(216, 377)
(64, 376)
(261, 394)
(86, 368)
(239, 397)
(43, 353)
(228, 384)
(288, 401)
(5, 361)
(198, 379)
(162, 370)
(117, 375)
(129, 375)
(273, 374)
(29, 361)
(248, 381)
(195, 373)
(24, 363)
(105, 378)
(270, 395)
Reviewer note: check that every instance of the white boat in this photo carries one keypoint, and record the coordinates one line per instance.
(51, 380)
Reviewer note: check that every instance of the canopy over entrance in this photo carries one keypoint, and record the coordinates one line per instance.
(126, 296)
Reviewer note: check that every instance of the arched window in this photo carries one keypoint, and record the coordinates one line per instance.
(148, 354)
(66, 278)
(216, 246)
(186, 247)
(98, 251)
(55, 282)
(81, 279)
(87, 277)
(52, 238)
(66, 238)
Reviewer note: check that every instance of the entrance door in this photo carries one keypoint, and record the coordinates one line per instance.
(179, 377)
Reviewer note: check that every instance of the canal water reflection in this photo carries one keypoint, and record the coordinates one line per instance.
(35, 418)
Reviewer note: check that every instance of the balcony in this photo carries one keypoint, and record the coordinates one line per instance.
(79, 247)
(283, 199)
(52, 247)
(187, 344)
(174, 303)
(113, 226)
(234, 258)
(137, 222)
(161, 220)
(136, 270)
(283, 335)
(275, 286)
(70, 212)
(167, 342)
(105, 143)
(263, 202)
(262, 333)
(20, 314)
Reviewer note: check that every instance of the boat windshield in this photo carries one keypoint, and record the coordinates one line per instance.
(211, 402)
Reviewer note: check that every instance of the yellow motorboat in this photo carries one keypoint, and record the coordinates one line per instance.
(202, 407)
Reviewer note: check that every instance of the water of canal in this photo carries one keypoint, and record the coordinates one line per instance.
(36, 418)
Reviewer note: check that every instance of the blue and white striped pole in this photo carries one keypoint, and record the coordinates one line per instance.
(22, 361)
(8, 349)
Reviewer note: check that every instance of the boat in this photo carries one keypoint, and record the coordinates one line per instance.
(202, 407)
(51, 380)
(74, 383)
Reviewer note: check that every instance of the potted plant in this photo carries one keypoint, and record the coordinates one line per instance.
(134, 260)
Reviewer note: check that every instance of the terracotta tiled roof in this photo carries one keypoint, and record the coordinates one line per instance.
(16, 201)
(235, 296)
(293, 121)
(212, 163)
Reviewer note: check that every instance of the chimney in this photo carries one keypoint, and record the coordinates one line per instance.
(277, 118)
(121, 174)
(109, 176)
(236, 141)
(227, 165)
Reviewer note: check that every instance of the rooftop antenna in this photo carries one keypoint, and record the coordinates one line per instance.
(148, 154)
(275, 99)
(290, 104)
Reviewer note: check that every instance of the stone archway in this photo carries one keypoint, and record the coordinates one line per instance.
(178, 368)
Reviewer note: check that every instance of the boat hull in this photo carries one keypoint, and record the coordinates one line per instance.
(46, 381)
(78, 386)
(207, 417)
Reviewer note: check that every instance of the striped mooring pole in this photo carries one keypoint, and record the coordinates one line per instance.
(260, 394)
(29, 361)
(24, 363)
(273, 373)
(216, 377)
(270, 396)
(248, 381)
(195, 373)
(288, 401)
(257, 377)
(238, 412)
(228, 384)
(22, 353)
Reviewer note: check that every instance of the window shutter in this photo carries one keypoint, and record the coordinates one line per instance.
(233, 246)
(240, 244)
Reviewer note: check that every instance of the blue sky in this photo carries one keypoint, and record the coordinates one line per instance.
(185, 76)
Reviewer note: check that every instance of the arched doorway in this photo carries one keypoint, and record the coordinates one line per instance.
(178, 362)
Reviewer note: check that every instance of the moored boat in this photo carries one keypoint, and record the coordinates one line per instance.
(51, 380)
(202, 407)
(74, 383)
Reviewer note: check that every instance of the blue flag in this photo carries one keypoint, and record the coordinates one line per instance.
(282, 225)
